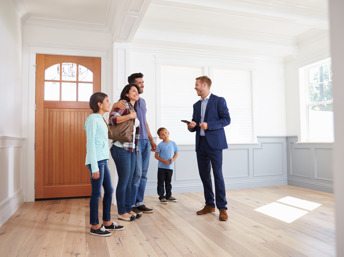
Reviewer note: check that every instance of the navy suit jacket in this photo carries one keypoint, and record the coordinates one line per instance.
(217, 117)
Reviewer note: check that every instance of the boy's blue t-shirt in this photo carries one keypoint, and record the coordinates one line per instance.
(166, 151)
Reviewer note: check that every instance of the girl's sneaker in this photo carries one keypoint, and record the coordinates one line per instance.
(100, 232)
(114, 226)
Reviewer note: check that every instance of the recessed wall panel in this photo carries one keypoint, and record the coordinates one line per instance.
(324, 168)
(300, 162)
(268, 160)
(186, 167)
(4, 158)
(235, 163)
(17, 169)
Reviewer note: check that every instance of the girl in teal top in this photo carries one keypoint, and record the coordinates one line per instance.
(97, 157)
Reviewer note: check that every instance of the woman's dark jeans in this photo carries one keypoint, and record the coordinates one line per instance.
(125, 164)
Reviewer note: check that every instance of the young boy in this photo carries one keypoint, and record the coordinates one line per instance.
(166, 153)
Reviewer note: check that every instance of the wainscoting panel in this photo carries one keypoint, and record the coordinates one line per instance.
(4, 160)
(323, 164)
(236, 163)
(244, 166)
(11, 159)
(301, 165)
(269, 159)
(310, 165)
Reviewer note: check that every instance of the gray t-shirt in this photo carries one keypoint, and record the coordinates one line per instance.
(141, 115)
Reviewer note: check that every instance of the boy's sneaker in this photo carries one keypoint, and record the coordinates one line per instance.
(100, 232)
(144, 209)
(114, 226)
(163, 200)
(172, 199)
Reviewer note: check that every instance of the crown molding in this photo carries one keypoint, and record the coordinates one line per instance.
(126, 22)
(225, 46)
(64, 24)
(293, 11)
(250, 44)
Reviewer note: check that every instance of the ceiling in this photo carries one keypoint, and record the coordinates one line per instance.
(274, 25)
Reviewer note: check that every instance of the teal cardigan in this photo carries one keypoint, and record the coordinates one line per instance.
(97, 145)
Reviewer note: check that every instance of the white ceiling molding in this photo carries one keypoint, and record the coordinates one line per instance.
(314, 12)
(272, 27)
(225, 44)
(64, 24)
(127, 22)
(121, 18)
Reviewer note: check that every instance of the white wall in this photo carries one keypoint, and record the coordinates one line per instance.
(268, 100)
(11, 142)
(10, 70)
(312, 48)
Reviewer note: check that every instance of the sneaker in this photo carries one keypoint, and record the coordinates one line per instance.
(163, 200)
(144, 209)
(136, 210)
(100, 232)
(172, 199)
(114, 226)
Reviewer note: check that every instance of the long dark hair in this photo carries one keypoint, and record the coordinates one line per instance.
(96, 98)
(126, 90)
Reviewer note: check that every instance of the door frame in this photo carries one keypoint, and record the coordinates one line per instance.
(28, 107)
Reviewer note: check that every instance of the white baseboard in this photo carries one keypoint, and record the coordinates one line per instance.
(307, 183)
(10, 206)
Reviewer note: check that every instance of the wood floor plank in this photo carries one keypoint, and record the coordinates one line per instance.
(61, 228)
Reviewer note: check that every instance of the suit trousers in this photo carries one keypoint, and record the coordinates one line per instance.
(207, 158)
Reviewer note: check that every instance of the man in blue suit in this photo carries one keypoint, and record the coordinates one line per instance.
(210, 115)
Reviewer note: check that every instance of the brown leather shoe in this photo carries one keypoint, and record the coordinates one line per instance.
(205, 210)
(223, 215)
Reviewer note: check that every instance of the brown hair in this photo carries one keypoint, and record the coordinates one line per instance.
(205, 79)
(96, 98)
(159, 130)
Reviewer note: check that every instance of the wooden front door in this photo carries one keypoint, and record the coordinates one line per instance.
(64, 85)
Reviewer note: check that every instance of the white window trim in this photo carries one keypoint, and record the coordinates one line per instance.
(304, 106)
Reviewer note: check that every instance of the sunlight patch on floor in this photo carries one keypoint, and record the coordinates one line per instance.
(299, 203)
(288, 209)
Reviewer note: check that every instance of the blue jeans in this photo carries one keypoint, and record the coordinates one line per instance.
(206, 157)
(105, 181)
(125, 164)
(140, 174)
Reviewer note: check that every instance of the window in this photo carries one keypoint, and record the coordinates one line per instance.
(72, 82)
(178, 95)
(235, 87)
(316, 102)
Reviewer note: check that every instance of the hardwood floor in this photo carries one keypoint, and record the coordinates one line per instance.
(61, 228)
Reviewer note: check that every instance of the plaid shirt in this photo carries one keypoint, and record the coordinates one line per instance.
(128, 146)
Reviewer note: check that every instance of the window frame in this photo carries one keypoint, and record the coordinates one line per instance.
(306, 104)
